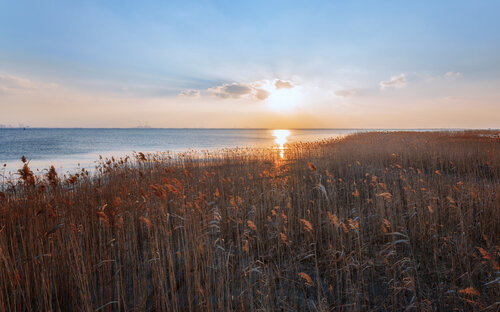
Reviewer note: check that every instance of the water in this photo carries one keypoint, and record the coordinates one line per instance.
(68, 149)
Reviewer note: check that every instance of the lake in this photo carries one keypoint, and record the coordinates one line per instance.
(68, 149)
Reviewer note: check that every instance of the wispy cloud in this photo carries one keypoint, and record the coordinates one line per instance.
(345, 93)
(16, 82)
(10, 83)
(394, 82)
(453, 75)
(190, 93)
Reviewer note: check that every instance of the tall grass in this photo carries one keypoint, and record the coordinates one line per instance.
(373, 221)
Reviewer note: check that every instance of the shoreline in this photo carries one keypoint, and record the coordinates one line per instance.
(71, 163)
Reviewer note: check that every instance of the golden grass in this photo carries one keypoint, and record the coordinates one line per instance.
(372, 221)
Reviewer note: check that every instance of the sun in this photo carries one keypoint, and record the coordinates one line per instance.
(284, 100)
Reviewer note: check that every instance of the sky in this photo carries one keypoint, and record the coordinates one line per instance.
(250, 64)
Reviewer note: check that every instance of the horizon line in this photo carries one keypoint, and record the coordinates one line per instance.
(229, 128)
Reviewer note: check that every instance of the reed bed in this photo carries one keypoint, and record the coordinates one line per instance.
(385, 221)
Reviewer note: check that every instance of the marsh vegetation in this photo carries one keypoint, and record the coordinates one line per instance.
(385, 221)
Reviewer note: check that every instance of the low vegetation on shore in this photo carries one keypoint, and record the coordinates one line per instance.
(382, 221)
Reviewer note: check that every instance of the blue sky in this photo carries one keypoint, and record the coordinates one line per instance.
(152, 60)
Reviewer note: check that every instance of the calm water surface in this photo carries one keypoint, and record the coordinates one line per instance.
(68, 149)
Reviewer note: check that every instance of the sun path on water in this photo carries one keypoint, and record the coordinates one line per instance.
(281, 137)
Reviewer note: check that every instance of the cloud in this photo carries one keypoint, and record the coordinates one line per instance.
(345, 93)
(190, 93)
(453, 75)
(237, 90)
(10, 83)
(394, 82)
(281, 84)
(16, 82)
(258, 90)
(234, 90)
(261, 94)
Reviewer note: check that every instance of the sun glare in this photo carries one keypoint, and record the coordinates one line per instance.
(281, 136)
(284, 100)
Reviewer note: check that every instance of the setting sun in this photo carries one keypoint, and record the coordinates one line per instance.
(284, 100)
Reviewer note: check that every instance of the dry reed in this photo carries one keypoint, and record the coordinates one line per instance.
(373, 221)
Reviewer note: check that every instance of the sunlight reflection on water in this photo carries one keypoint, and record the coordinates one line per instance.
(281, 136)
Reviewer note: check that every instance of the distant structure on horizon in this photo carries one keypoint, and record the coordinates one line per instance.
(143, 125)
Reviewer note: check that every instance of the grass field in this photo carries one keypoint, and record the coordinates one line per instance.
(373, 221)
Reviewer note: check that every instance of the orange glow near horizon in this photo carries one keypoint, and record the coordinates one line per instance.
(281, 136)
